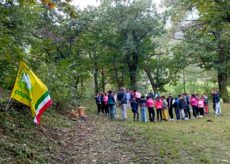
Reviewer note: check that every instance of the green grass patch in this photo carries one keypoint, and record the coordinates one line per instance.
(21, 141)
(203, 140)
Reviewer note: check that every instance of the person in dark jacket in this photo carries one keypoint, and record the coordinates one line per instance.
(121, 97)
(98, 102)
(176, 106)
(151, 94)
(213, 100)
(111, 104)
(217, 103)
(181, 105)
(134, 107)
(186, 106)
(143, 109)
(170, 106)
(102, 103)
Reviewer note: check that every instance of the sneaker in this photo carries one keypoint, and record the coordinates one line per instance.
(186, 118)
(201, 116)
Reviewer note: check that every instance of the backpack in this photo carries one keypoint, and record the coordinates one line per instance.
(111, 100)
(164, 104)
(185, 102)
(176, 103)
(205, 101)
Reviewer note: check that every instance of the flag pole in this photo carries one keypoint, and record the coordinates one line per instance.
(8, 104)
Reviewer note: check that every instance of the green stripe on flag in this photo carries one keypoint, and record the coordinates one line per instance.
(41, 99)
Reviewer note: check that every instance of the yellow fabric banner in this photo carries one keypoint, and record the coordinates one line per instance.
(28, 88)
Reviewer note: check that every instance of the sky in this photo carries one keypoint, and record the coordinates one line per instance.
(84, 3)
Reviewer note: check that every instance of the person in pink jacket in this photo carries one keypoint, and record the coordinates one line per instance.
(159, 105)
(193, 101)
(200, 106)
(106, 107)
(150, 105)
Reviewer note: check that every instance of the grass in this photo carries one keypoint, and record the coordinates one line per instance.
(204, 140)
(23, 142)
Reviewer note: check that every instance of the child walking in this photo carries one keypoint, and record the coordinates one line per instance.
(150, 104)
(158, 105)
(111, 104)
(170, 106)
(206, 104)
(200, 105)
(143, 109)
(186, 107)
(164, 109)
(176, 106)
(105, 103)
(193, 101)
(134, 106)
(181, 105)
(98, 102)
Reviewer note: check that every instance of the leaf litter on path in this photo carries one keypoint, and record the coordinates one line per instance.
(99, 140)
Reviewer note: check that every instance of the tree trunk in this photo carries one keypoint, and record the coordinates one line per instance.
(184, 82)
(222, 81)
(151, 79)
(103, 80)
(223, 75)
(222, 69)
(96, 70)
(132, 60)
(76, 83)
(132, 77)
(95, 75)
(116, 74)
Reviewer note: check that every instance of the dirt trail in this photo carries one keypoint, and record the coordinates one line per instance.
(100, 140)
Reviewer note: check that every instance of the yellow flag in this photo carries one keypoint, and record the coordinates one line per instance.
(30, 90)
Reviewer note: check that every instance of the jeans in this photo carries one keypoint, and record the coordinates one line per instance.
(194, 111)
(177, 111)
(151, 114)
(143, 115)
(218, 109)
(123, 111)
(112, 111)
(187, 112)
(200, 111)
(171, 112)
(135, 114)
(99, 107)
(159, 114)
(106, 107)
(214, 107)
(182, 114)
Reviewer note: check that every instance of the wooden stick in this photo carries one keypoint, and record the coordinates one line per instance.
(8, 104)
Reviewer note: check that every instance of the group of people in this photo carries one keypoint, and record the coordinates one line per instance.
(183, 107)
